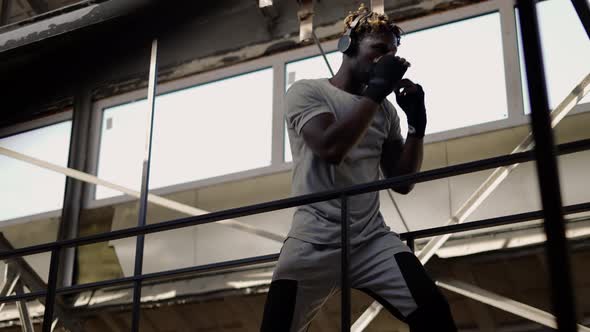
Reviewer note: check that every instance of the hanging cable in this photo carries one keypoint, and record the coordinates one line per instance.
(317, 42)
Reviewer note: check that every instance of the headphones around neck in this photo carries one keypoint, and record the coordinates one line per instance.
(345, 44)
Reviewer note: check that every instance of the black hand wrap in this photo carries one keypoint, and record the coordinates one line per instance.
(413, 105)
(386, 73)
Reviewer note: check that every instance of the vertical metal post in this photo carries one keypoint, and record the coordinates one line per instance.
(144, 187)
(72, 204)
(583, 10)
(317, 42)
(410, 243)
(345, 257)
(557, 251)
(51, 286)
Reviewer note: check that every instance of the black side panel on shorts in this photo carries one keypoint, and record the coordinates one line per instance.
(433, 313)
(279, 307)
(393, 310)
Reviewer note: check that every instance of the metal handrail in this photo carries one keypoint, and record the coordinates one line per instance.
(491, 222)
(443, 172)
(480, 224)
(343, 194)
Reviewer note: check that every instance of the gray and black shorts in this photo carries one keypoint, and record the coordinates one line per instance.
(384, 268)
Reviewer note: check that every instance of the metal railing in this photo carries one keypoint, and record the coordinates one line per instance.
(343, 194)
(544, 155)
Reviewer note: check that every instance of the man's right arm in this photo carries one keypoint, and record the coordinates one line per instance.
(331, 139)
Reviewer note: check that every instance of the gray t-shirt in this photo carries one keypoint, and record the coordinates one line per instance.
(320, 222)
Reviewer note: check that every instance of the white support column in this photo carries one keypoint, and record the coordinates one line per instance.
(486, 188)
(503, 303)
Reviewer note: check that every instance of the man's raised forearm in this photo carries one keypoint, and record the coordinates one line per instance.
(345, 133)
(410, 161)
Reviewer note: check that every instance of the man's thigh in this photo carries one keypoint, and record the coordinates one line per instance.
(389, 272)
(303, 280)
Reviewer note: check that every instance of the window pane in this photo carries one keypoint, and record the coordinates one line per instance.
(565, 51)
(461, 68)
(310, 68)
(460, 65)
(28, 189)
(201, 132)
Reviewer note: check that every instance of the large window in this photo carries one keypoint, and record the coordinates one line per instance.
(311, 68)
(27, 189)
(460, 65)
(565, 51)
(201, 132)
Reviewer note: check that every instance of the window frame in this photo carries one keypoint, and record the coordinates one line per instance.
(513, 85)
(173, 86)
(24, 127)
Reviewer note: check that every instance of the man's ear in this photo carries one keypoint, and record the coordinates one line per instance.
(354, 46)
(352, 49)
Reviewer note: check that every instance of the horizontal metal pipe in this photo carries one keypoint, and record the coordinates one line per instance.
(24, 297)
(491, 222)
(430, 175)
(171, 273)
(147, 276)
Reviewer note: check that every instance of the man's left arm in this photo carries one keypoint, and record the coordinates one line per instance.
(400, 158)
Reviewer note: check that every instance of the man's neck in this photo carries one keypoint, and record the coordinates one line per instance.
(344, 80)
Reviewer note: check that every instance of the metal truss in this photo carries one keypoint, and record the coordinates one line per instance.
(503, 303)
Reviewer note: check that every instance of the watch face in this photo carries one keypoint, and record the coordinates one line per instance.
(343, 43)
(411, 130)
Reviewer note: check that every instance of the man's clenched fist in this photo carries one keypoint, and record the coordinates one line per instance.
(410, 97)
(388, 71)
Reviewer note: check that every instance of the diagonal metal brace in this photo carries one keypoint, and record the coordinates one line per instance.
(23, 310)
(503, 303)
(27, 276)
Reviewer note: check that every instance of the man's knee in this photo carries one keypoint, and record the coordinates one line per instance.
(280, 306)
